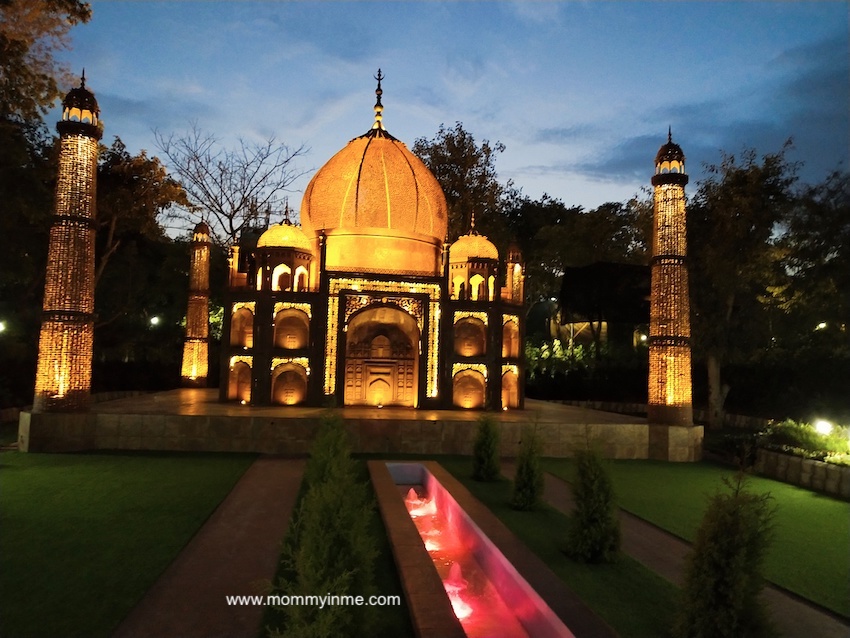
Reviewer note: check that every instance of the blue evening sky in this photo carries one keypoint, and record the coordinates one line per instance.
(580, 93)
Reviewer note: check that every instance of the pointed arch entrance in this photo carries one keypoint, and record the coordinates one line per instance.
(382, 358)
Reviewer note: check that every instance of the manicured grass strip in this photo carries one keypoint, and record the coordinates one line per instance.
(634, 600)
(808, 554)
(391, 620)
(85, 536)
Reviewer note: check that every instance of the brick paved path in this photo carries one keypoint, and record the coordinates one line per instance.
(237, 548)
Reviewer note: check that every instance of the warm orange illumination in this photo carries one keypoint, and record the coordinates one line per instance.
(239, 381)
(510, 337)
(242, 326)
(510, 387)
(196, 347)
(291, 329)
(669, 390)
(289, 382)
(375, 182)
(393, 290)
(468, 386)
(195, 362)
(381, 358)
(63, 373)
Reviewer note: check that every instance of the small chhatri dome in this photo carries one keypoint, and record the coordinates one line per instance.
(284, 235)
(670, 152)
(201, 229)
(472, 246)
(80, 105)
(376, 188)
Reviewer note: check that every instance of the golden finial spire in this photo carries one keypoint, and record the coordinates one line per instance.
(379, 108)
(472, 224)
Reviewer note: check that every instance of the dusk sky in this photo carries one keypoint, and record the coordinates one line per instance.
(580, 93)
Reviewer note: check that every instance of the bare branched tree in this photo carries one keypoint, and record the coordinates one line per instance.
(228, 188)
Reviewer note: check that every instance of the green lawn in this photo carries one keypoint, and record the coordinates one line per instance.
(632, 599)
(84, 536)
(809, 552)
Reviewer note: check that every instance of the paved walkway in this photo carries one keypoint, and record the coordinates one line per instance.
(236, 550)
(665, 554)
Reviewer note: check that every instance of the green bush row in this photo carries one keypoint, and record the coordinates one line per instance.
(330, 548)
(790, 437)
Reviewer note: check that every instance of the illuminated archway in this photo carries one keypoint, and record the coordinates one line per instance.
(282, 277)
(291, 329)
(510, 390)
(468, 389)
(289, 384)
(302, 280)
(470, 336)
(382, 358)
(239, 383)
(477, 288)
(510, 340)
(242, 328)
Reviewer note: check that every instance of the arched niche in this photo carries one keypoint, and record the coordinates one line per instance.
(302, 279)
(470, 335)
(477, 288)
(468, 389)
(510, 340)
(242, 328)
(289, 384)
(291, 329)
(510, 390)
(458, 284)
(382, 358)
(282, 277)
(239, 382)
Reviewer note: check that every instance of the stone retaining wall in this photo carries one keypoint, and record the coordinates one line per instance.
(58, 432)
(700, 416)
(815, 475)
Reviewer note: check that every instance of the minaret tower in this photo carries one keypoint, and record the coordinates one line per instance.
(196, 343)
(669, 316)
(63, 375)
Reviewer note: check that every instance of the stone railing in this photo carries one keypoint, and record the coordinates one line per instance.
(814, 475)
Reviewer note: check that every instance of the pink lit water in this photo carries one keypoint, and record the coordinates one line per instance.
(479, 607)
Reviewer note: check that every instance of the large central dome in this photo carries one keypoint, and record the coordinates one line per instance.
(379, 206)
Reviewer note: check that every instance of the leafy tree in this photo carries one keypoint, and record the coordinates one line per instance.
(733, 225)
(485, 452)
(528, 482)
(554, 237)
(816, 251)
(228, 188)
(723, 575)
(31, 32)
(594, 533)
(467, 173)
(133, 191)
(604, 291)
(542, 230)
(27, 174)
